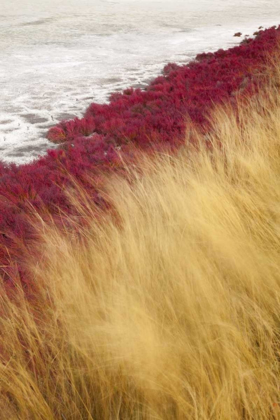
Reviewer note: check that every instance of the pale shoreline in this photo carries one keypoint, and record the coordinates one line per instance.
(77, 77)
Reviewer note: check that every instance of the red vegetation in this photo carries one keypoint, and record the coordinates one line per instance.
(149, 119)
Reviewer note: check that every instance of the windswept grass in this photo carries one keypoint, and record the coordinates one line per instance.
(150, 119)
(170, 307)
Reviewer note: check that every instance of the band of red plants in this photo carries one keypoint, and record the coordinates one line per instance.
(151, 119)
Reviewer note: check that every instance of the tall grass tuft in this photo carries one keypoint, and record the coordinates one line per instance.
(169, 307)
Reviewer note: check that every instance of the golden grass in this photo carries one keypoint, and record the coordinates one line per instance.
(173, 312)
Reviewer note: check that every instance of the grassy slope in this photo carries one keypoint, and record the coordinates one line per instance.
(153, 119)
(171, 309)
